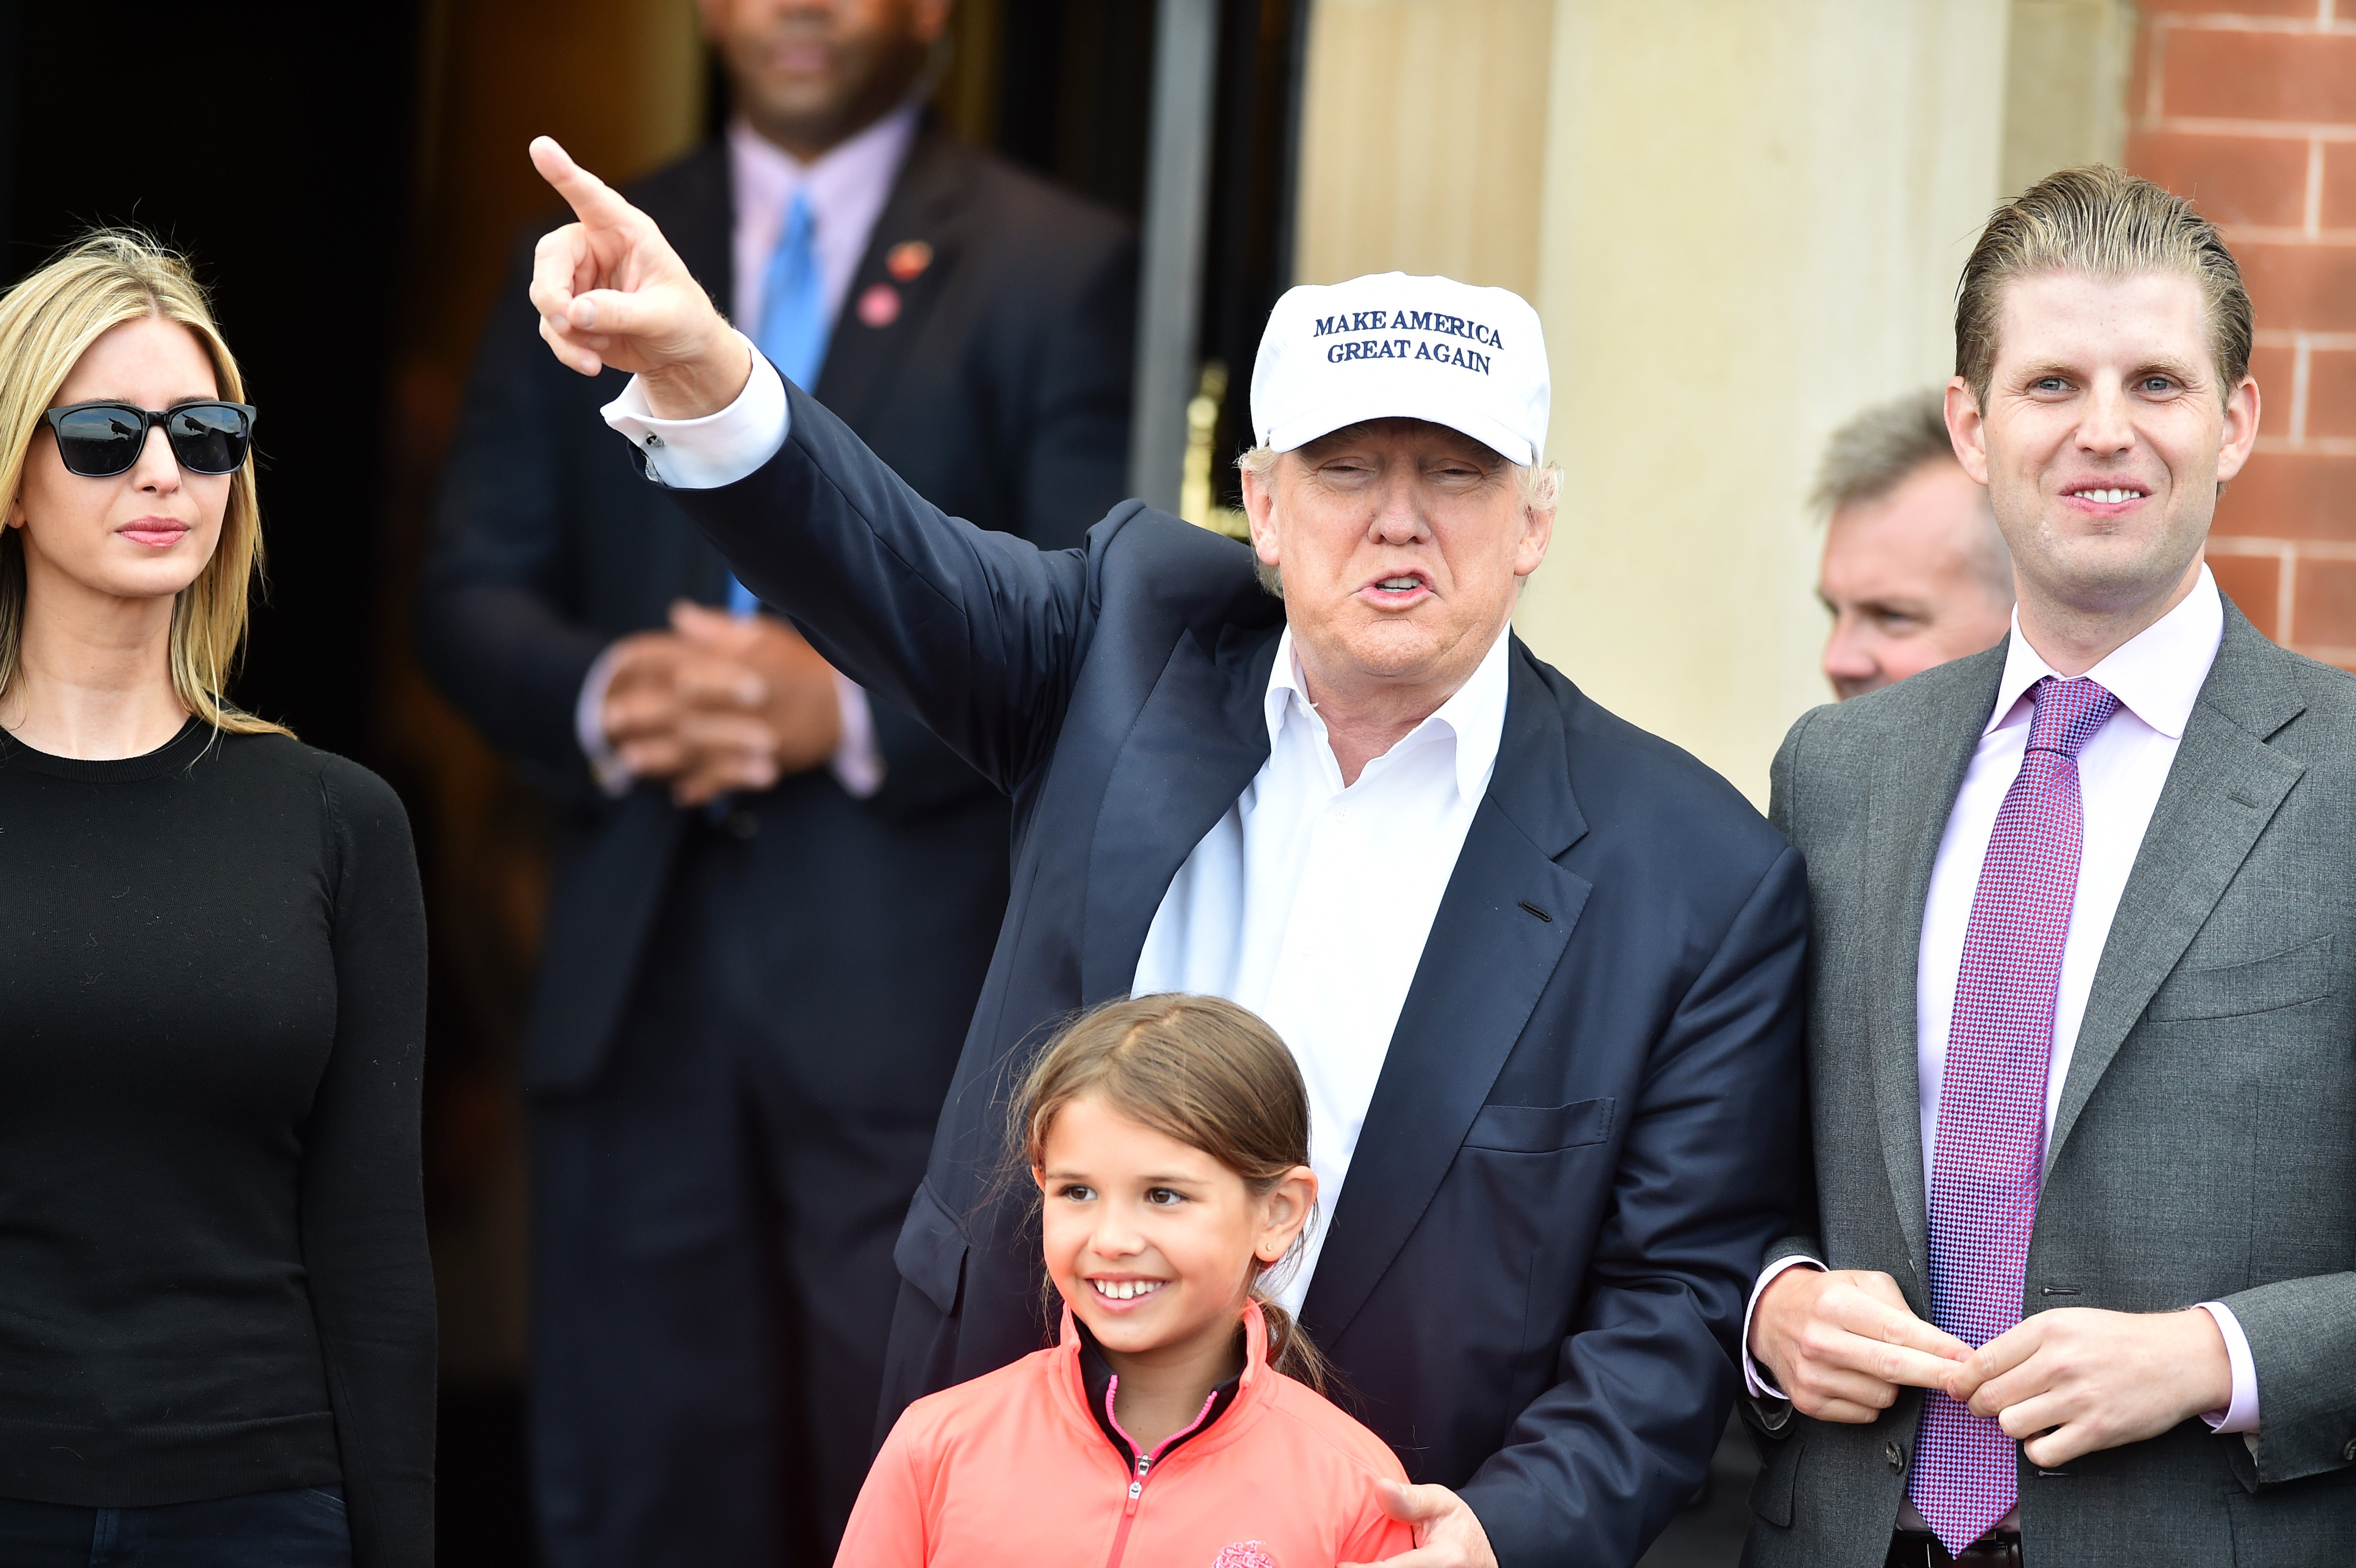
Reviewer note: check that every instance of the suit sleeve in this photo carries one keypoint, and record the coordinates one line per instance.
(2302, 1335)
(1783, 812)
(490, 626)
(979, 635)
(1597, 1464)
(887, 1522)
(1073, 468)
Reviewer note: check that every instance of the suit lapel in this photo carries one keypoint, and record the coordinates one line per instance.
(1915, 780)
(925, 214)
(1483, 966)
(2223, 789)
(1174, 780)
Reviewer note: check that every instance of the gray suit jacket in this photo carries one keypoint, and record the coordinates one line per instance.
(2205, 1147)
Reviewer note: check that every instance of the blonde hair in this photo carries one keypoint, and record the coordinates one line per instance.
(47, 322)
(1213, 1076)
(2100, 221)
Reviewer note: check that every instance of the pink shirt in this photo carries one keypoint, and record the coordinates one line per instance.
(847, 186)
(2156, 676)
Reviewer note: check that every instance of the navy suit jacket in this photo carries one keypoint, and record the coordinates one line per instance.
(1586, 1131)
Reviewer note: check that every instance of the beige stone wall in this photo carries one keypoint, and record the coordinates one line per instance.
(1755, 214)
(1423, 146)
(2065, 87)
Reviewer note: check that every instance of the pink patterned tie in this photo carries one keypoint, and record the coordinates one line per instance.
(1990, 1152)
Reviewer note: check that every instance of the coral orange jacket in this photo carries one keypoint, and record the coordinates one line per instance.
(1013, 1470)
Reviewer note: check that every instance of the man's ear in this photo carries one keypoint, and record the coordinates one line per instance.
(1967, 429)
(2241, 432)
(1538, 533)
(1260, 510)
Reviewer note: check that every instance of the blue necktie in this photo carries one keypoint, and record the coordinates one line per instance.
(794, 325)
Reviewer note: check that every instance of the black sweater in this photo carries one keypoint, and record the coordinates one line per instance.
(213, 1277)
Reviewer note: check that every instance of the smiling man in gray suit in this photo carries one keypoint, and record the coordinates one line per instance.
(2081, 1287)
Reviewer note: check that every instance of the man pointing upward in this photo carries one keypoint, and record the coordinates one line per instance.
(1540, 970)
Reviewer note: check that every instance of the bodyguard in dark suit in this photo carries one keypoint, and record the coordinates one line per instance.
(2079, 1287)
(1577, 1129)
(750, 1004)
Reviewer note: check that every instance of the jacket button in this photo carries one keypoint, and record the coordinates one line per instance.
(1897, 1458)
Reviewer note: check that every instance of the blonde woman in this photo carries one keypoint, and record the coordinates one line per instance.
(216, 1313)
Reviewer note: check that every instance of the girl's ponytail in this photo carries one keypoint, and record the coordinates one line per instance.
(1289, 1349)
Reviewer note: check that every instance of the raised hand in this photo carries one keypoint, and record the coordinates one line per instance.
(611, 291)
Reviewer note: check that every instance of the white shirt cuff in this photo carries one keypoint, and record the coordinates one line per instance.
(605, 765)
(858, 761)
(2241, 1413)
(718, 449)
(1754, 1376)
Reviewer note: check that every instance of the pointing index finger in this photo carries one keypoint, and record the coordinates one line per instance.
(593, 201)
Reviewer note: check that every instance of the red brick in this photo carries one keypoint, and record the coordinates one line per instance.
(2260, 76)
(2330, 394)
(2253, 583)
(2255, 180)
(2233, 7)
(2292, 495)
(2275, 368)
(2139, 69)
(2300, 285)
(2323, 604)
(2339, 185)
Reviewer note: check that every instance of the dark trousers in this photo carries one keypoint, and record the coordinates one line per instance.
(714, 1220)
(303, 1528)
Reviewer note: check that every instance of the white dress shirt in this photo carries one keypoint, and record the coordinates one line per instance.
(1310, 902)
(2156, 676)
(847, 187)
(1307, 903)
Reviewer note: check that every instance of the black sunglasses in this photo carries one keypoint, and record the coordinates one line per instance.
(99, 441)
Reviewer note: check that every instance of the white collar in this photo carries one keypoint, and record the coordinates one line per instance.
(1473, 716)
(2155, 674)
(764, 176)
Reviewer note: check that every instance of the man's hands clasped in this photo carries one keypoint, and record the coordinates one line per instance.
(2066, 1382)
(720, 703)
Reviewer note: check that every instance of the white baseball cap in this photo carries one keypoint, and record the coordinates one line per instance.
(1389, 345)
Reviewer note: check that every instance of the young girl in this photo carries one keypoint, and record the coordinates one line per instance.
(1177, 1424)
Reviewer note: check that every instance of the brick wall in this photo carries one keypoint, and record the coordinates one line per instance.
(2249, 108)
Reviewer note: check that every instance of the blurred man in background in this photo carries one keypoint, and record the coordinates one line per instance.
(1915, 572)
(776, 898)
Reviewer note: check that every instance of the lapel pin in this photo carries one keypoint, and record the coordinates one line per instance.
(880, 304)
(907, 261)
